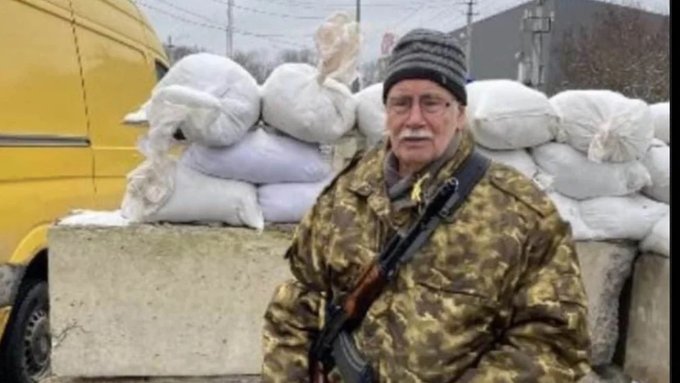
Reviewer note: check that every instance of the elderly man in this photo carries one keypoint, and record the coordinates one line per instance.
(493, 295)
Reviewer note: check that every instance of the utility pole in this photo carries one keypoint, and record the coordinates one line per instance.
(171, 50)
(468, 45)
(358, 11)
(537, 24)
(356, 85)
(537, 47)
(230, 29)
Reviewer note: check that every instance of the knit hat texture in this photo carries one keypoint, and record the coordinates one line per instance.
(430, 55)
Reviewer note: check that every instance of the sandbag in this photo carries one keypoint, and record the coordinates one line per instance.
(605, 125)
(260, 158)
(214, 99)
(570, 211)
(149, 186)
(371, 114)
(659, 240)
(518, 159)
(577, 177)
(658, 163)
(505, 114)
(631, 217)
(297, 103)
(315, 104)
(193, 197)
(288, 202)
(338, 41)
(661, 113)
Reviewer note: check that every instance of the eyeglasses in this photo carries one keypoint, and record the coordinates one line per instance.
(431, 105)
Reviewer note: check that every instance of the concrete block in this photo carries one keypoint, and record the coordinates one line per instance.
(647, 357)
(213, 379)
(604, 267)
(606, 374)
(161, 300)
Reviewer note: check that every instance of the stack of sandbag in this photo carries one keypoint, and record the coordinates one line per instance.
(212, 101)
(506, 118)
(236, 170)
(289, 174)
(507, 115)
(314, 108)
(661, 112)
(315, 104)
(371, 113)
(609, 178)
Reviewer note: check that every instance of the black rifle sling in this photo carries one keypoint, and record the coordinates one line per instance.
(466, 178)
(333, 341)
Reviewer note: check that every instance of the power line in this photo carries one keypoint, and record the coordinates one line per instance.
(198, 15)
(405, 5)
(283, 15)
(218, 27)
(440, 17)
(408, 16)
(179, 18)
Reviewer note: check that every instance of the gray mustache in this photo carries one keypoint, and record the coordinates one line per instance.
(415, 133)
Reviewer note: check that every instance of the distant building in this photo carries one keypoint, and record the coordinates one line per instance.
(502, 45)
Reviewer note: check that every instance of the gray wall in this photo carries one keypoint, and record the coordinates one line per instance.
(497, 39)
(574, 14)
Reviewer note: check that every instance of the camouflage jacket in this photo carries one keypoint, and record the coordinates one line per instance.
(494, 296)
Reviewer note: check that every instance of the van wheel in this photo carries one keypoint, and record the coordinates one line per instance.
(25, 351)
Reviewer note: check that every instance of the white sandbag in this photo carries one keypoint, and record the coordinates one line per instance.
(194, 197)
(371, 114)
(570, 211)
(658, 163)
(288, 202)
(316, 104)
(577, 177)
(219, 99)
(604, 124)
(661, 113)
(297, 103)
(659, 239)
(260, 158)
(179, 107)
(544, 181)
(505, 114)
(518, 159)
(149, 186)
(139, 116)
(629, 217)
(338, 41)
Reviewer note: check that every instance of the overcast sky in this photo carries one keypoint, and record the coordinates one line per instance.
(273, 25)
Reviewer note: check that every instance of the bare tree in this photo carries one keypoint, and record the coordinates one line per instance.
(625, 51)
(256, 63)
(176, 52)
(305, 55)
(373, 71)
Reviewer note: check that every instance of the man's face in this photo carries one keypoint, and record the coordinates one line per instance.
(422, 118)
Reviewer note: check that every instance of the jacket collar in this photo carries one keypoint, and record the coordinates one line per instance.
(368, 179)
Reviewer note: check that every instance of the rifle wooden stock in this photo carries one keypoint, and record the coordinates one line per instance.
(368, 288)
(355, 305)
(318, 375)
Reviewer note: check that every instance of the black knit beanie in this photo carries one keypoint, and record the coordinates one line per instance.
(430, 55)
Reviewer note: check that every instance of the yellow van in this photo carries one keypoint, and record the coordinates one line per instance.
(70, 71)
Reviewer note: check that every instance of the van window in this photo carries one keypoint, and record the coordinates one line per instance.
(161, 70)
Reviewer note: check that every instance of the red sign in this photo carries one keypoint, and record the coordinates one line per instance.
(388, 41)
